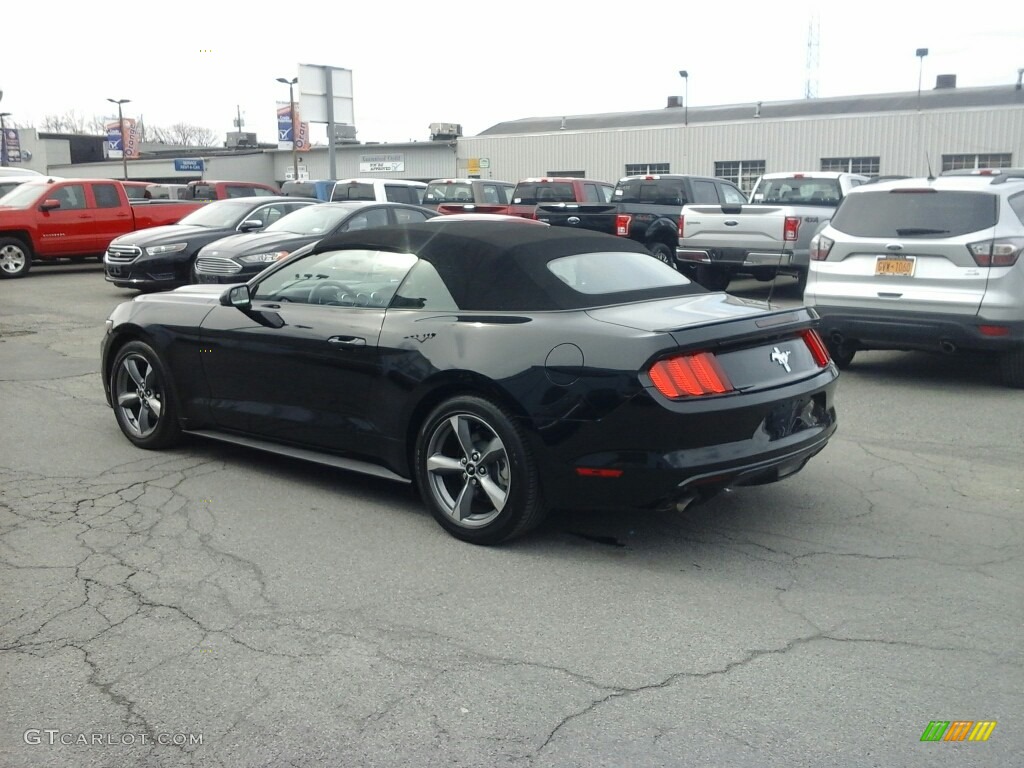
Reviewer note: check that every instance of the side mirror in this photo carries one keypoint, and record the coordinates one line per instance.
(250, 225)
(49, 204)
(237, 296)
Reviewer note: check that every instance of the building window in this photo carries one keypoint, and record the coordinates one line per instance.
(991, 160)
(743, 173)
(567, 174)
(643, 169)
(865, 166)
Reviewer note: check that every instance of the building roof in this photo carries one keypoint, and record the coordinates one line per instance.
(939, 98)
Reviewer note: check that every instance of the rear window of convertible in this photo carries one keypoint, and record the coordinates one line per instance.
(916, 213)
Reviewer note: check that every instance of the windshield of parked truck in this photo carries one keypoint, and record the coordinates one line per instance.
(533, 193)
(218, 215)
(24, 195)
(443, 192)
(798, 191)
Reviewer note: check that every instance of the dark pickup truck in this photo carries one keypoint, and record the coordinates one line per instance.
(645, 208)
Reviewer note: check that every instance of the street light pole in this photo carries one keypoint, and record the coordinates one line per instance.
(3, 138)
(920, 53)
(686, 96)
(124, 139)
(295, 131)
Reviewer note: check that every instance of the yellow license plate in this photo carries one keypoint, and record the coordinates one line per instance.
(902, 266)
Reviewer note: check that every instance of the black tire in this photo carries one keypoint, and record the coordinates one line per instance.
(15, 258)
(451, 472)
(140, 389)
(664, 253)
(712, 279)
(801, 280)
(1011, 366)
(764, 277)
(841, 354)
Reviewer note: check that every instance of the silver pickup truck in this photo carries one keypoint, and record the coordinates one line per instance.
(769, 235)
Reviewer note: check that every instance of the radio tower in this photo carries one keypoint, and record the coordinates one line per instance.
(813, 33)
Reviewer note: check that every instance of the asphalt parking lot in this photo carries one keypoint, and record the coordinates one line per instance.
(287, 614)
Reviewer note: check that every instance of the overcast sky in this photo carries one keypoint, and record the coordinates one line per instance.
(482, 63)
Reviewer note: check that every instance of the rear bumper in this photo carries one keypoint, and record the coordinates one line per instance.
(739, 259)
(871, 329)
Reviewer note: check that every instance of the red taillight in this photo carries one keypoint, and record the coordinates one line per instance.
(622, 224)
(820, 247)
(689, 376)
(791, 228)
(994, 330)
(598, 472)
(997, 253)
(681, 223)
(818, 349)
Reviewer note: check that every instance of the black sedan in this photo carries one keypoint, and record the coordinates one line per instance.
(506, 370)
(163, 257)
(236, 259)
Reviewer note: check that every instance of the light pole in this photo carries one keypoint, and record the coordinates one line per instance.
(124, 139)
(295, 131)
(921, 53)
(686, 96)
(3, 137)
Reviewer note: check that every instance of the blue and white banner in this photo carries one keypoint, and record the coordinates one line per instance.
(284, 128)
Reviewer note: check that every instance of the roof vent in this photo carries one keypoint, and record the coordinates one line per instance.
(674, 101)
(945, 81)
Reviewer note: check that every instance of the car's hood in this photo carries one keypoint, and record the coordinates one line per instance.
(187, 294)
(171, 233)
(679, 312)
(257, 242)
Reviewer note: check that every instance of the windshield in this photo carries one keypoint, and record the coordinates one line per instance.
(24, 195)
(798, 191)
(921, 213)
(440, 192)
(220, 215)
(543, 192)
(7, 186)
(311, 220)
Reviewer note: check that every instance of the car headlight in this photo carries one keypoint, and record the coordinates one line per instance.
(156, 250)
(263, 258)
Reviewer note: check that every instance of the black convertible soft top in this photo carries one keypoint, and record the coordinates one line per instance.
(502, 266)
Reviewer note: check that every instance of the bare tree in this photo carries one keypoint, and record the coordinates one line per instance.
(72, 122)
(183, 134)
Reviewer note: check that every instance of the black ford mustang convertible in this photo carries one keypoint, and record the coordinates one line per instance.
(506, 370)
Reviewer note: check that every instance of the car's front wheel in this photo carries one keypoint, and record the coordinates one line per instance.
(475, 471)
(142, 397)
(15, 258)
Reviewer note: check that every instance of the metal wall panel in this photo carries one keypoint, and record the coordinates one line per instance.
(423, 160)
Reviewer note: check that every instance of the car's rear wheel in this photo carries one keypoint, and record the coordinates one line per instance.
(1011, 366)
(142, 397)
(663, 252)
(712, 279)
(15, 258)
(475, 472)
(801, 280)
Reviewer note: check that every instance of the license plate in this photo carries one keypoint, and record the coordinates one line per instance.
(899, 266)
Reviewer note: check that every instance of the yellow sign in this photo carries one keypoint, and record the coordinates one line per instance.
(473, 166)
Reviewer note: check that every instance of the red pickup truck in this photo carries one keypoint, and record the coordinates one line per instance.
(52, 219)
(529, 193)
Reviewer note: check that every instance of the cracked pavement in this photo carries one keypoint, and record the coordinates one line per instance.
(297, 615)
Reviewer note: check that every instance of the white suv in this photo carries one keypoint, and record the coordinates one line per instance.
(929, 264)
(381, 190)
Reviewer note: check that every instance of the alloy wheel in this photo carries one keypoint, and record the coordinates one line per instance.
(138, 393)
(468, 470)
(12, 259)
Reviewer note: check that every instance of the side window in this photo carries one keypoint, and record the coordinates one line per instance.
(71, 197)
(409, 216)
(134, 192)
(704, 193)
(106, 196)
(397, 194)
(268, 214)
(1017, 205)
(607, 192)
(236, 191)
(377, 217)
(260, 192)
(491, 194)
(424, 289)
(591, 194)
(732, 196)
(506, 194)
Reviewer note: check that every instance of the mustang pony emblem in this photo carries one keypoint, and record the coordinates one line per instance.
(421, 337)
(782, 358)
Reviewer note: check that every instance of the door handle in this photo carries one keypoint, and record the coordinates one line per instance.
(347, 341)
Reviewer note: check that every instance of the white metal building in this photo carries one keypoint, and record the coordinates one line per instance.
(883, 134)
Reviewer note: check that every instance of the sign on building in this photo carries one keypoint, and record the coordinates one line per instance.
(190, 164)
(393, 163)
